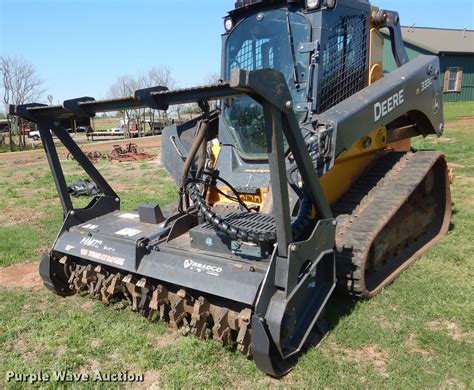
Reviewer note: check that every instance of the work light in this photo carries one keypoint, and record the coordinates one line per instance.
(228, 24)
(312, 4)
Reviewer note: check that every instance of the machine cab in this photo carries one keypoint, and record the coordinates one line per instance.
(321, 47)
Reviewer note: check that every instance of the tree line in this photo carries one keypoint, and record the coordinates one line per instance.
(21, 84)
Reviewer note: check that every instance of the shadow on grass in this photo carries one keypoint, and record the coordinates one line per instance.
(455, 211)
(339, 307)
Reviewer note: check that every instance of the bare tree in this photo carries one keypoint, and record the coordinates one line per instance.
(20, 84)
(213, 78)
(124, 86)
(161, 76)
(192, 109)
(158, 76)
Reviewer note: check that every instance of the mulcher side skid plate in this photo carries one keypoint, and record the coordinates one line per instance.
(119, 240)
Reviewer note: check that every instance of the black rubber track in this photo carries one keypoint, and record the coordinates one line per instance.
(372, 203)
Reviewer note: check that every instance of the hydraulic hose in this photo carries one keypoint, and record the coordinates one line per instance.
(301, 222)
(200, 140)
(236, 233)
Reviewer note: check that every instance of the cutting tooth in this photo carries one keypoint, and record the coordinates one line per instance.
(144, 304)
(221, 330)
(115, 284)
(142, 283)
(112, 286)
(144, 301)
(165, 313)
(200, 318)
(100, 278)
(72, 277)
(103, 290)
(177, 314)
(226, 337)
(134, 293)
(127, 278)
(77, 281)
(88, 277)
(159, 302)
(244, 336)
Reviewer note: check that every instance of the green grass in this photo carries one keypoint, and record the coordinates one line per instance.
(33, 193)
(101, 124)
(417, 333)
(454, 111)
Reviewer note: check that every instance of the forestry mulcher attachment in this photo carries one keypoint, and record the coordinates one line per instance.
(300, 180)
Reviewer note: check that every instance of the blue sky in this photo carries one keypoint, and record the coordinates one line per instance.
(79, 47)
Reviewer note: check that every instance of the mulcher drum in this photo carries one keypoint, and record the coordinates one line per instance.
(176, 306)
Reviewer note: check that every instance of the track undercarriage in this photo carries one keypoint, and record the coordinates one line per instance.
(393, 213)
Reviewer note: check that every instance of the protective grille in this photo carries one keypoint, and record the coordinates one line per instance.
(344, 62)
(260, 223)
(251, 55)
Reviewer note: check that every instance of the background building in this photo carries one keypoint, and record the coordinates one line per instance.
(455, 49)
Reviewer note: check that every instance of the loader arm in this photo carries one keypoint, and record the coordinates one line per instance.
(411, 92)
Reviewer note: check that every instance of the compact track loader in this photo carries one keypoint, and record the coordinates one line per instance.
(303, 179)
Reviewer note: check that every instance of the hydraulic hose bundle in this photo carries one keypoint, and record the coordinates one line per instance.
(189, 187)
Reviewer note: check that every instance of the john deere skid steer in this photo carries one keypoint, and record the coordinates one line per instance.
(301, 181)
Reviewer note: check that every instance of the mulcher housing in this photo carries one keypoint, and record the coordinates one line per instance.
(261, 278)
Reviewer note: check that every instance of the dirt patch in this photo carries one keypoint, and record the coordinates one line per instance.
(95, 343)
(22, 346)
(385, 323)
(92, 368)
(22, 158)
(156, 161)
(21, 275)
(466, 179)
(464, 120)
(451, 329)
(413, 346)
(450, 384)
(12, 216)
(454, 165)
(17, 171)
(467, 202)
(161, 341)
(151, 380)
(441, 140)
(144, 143)
(87, 304)
(371, 355)
(460, 123)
